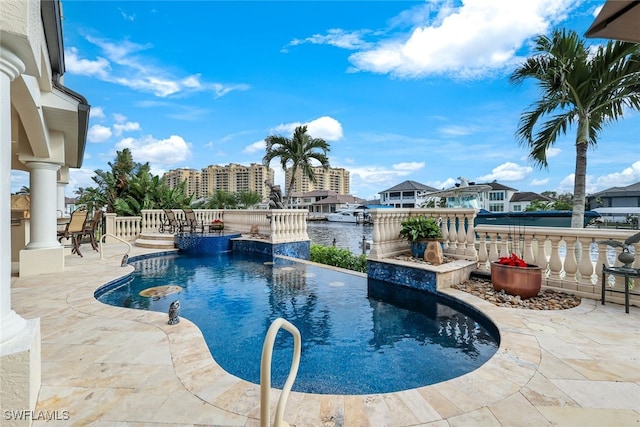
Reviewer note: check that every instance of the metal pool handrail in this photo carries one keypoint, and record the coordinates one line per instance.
(265, 372)
(117, 238)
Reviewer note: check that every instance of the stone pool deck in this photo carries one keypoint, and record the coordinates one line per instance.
(111, 366)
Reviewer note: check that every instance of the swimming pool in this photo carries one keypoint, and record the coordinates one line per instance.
(353, 342)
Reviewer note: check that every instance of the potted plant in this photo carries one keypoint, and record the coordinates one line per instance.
(514, 276)
(216, 225)
(419, 230)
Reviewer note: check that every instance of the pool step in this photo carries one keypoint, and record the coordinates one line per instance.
(155, 241)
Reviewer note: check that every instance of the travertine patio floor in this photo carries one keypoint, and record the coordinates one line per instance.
(113, 366)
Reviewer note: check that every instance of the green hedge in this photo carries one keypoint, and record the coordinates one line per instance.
(337, 257)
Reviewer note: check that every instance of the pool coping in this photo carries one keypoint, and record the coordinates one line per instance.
(474, 396)
(202, 376)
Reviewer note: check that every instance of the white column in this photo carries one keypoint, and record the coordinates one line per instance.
(43, 186)
(60, 205)
(11, 324)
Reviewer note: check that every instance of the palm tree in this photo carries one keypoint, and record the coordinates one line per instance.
(24, 191)
(581, 86)
(248, 199)
(296, 153)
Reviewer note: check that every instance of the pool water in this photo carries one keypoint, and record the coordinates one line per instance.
(352, 341)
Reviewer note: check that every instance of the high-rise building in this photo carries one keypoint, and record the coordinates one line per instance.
(235, 178)
(334, 179)
(192, 176)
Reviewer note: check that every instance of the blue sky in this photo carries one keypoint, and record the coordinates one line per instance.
(401, 90)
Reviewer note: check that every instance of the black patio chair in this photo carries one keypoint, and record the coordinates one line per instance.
(171, 224)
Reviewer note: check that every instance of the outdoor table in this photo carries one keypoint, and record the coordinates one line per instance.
(627, 273)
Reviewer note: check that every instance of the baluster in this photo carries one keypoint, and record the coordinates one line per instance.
(445, 231)
(504, 245)
(602, 259)
(471, 237)
(462, 236)
(493, 247)
(570, 263)
(527, 251)
(541, 256)
(483, 256)
(585, 267)
(453, 237)
(555, 262)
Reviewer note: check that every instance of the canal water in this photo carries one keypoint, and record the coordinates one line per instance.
(339, 234)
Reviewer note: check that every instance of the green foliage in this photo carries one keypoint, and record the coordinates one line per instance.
(338, 257)
(562, 202)
(130, 187)
(248, 199)
(539, 205)
(420, 227)
(220, 199)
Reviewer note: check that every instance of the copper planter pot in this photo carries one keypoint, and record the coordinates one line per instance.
(523, 281)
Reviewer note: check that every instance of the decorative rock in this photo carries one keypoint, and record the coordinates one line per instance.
(433, 253)
(545, 300)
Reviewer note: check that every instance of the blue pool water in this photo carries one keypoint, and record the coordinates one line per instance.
(353, 342)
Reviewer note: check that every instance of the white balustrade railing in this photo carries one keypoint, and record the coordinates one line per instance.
(458, 233)
(571, 257)
(278, 225)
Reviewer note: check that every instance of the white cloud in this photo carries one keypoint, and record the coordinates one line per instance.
(566, 185)
(99, 67)
(626, 177)
(456, 130)
(406, 168)
(336, 37)
(120, 118)
(623, 178)
(123, 64)
(98, 133)
(553, 152)
(441, 185)
(79, 178)
(96, 113)
(506, 172)
(539, 182)
(119, 128)
(168, 151)
(324, 127)
(255, 147)
(476, 38)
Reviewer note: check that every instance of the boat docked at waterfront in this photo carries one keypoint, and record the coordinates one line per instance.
(352, 215)
(552, 218)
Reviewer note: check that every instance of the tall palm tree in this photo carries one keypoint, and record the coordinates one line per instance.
(580, 86)
(296, 153)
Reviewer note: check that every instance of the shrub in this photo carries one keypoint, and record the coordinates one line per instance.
(338, 257)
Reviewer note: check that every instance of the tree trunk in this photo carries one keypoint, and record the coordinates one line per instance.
(579, 186)
(289, 187)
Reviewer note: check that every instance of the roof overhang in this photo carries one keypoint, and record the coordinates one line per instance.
(77, 126)
(618, 20)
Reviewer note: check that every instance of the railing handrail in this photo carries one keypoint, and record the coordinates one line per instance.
(265, 372)
(117, 238)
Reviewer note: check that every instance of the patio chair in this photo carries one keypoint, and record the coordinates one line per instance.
(171, 224)
(91, 228)
(74, 230)
(192, 222)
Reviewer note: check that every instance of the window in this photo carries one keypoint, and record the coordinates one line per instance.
(494, 207)
(495, 196)
(517, 208)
